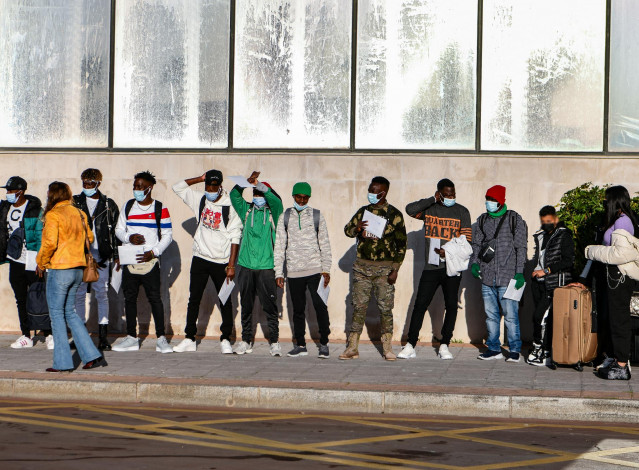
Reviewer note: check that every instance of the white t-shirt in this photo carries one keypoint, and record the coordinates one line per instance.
(14, 217)
(92, 204)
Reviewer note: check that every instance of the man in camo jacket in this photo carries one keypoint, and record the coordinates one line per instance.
(376, 267)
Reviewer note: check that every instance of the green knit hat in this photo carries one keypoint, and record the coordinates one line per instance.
(302, 188)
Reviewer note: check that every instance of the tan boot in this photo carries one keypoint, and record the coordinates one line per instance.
(387, 347)
(351, 351)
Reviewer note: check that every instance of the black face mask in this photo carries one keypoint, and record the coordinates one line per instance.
(548, 228)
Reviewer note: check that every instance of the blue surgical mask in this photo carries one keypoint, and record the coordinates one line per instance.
(492, 206)
(373, 198)
(298, 207)
(12, 198)
(88, 192)
(259, 201)
(212, 196)
(449, 202)
(140, 195)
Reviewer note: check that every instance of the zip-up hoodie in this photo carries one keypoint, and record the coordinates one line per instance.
(306, 251)
(258, 236)
(212, 240)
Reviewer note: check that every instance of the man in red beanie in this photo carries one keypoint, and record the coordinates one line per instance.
(499, 253)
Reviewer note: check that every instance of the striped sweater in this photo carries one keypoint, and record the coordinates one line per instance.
(141, 220)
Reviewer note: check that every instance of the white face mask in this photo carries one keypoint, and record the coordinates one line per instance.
(213, 196)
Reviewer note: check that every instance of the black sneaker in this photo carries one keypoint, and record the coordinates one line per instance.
(534, 355)
(323, 351)
(298, 351)
(489, 355)
(513, 357)
(615, 372)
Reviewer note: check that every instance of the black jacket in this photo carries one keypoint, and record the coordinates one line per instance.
(106, 217)
(559, 256)
(34, 207)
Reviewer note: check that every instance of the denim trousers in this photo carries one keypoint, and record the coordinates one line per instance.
(101, 289)
(494, 298)
(62, 286)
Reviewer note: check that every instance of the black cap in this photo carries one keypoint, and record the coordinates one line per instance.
(15, 182)
(214, 177)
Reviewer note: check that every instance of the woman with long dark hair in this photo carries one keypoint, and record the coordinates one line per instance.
(620, 256)
(62, 253)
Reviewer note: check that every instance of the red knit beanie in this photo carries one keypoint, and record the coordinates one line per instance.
(498, 193)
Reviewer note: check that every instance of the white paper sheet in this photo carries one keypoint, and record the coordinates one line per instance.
(225, 291)
(116, 279)
(376, 224)
(31, 264)
(128, 254)
(512, 293)
(323, 291)
(433, 258)
(241, 181)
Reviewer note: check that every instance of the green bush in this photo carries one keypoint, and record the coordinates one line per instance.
(581, 210)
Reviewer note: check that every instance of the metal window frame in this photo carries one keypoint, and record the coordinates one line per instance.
(351, 149)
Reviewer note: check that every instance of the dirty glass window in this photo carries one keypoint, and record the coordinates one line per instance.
(624, 77)
(171, 73)
(54, 73)
(292, 73)
(543, 75)
(416, 74)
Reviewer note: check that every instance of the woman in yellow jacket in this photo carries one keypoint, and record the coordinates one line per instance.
(63, 253)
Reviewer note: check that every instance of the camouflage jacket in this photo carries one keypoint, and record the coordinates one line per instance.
(391, 248)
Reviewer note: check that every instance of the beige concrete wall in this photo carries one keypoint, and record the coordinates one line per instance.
(339, 187)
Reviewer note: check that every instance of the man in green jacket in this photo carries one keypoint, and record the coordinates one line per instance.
(255, 273)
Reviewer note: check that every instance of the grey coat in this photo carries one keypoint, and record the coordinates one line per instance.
(510, 253)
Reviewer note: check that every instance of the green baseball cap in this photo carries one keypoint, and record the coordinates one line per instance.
(302, 188)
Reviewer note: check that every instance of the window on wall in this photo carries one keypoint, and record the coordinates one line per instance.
(171, 73)
(416, 76)
(543, 75)
(624, 74)
(54, 71)
(292, 73)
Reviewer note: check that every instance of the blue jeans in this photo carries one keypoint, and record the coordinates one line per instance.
(493, 298)
(62, 285)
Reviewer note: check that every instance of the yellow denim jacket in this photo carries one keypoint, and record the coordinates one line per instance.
(63, 235)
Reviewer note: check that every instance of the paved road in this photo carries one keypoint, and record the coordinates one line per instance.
(36, 435)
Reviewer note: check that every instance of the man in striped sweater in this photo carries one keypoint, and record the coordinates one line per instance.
(444, 219)
(143, 222)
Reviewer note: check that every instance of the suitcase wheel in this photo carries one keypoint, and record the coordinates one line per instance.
(552, 365)
(579, 367)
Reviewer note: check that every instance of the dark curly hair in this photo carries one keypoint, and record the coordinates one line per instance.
(146, 176)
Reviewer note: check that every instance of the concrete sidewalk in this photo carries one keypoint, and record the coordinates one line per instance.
(463, 386)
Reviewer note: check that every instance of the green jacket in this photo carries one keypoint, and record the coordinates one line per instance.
(258, 235)
(32, 226)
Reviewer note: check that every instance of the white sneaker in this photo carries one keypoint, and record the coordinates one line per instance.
(186, 345)
(444, 353)
(243, 348)
(408, 352)
(162, 345)
(49, 341)
(127, 344)
(276, 350)
(22, 342)
(225, 346)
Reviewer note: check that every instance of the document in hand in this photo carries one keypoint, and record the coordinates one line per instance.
(241, 181)
(376, 224)
(128, 254)
(31, 264)
(323, 291)
(225, 291)
(433, 258)
(116, 279)
(512, 293)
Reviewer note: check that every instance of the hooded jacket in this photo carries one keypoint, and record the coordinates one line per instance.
(559, 256)
(32, 225)
(623, 253)
(258, 235)
(212, 239)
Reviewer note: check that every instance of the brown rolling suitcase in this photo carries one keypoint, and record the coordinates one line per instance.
(573, 342)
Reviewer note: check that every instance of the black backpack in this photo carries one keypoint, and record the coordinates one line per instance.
(158, 214)
(37, 307)
(16, 242)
